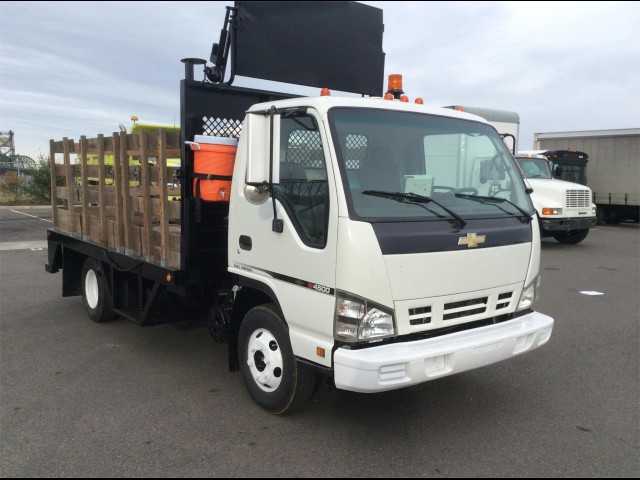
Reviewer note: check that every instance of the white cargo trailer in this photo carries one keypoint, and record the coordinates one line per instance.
(507, 123)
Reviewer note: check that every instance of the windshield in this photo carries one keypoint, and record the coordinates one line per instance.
(403, 165)
(534, 167)
(571, 172)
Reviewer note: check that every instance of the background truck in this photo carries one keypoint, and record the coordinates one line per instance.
(507, 123)
(611, 167)
(565, 211)
(367, 242)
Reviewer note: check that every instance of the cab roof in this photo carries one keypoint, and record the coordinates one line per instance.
(324, 103)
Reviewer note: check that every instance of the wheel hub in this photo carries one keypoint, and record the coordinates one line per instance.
(91, 289)
(264, 359)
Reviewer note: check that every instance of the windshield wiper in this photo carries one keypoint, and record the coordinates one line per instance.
(492, 200)
(415, 199)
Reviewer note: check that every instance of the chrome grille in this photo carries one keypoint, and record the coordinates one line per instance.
(578, 198)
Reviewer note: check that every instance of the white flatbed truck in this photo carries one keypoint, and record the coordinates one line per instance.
(368, 243)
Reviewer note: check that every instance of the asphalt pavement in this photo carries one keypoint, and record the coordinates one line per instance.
(81, 399)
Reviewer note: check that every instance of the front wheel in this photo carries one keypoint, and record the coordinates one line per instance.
(572, 237)
(273, 377)
(95, 292)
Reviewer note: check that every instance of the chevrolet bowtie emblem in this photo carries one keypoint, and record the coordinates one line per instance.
(472, 240)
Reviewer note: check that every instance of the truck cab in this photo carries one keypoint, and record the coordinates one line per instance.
(565, 209)
(396, 247)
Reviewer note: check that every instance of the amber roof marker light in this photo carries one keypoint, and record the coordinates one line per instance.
(395, 85)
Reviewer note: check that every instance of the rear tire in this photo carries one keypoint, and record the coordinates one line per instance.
(95, 294)
(608, 214)
(572, 237)
(271, 374)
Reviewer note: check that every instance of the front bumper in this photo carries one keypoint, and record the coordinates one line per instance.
(399, 365)
(567, 224)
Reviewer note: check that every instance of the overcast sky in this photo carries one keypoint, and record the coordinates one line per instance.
(81, 68)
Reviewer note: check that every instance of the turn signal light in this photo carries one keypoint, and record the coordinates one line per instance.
(552, 211)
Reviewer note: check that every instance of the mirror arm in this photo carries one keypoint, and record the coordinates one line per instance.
(277, 225)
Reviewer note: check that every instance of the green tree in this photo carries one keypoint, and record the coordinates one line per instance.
(40, 188)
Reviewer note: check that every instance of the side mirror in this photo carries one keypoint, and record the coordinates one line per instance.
(263, 162)
(486, 168)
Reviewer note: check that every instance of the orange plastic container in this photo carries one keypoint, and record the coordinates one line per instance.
(214, 158)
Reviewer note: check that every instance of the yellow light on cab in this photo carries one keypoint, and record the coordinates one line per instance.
(395, 82)
(320, 352)
(395, 86)
(325, 92)
(419, 101)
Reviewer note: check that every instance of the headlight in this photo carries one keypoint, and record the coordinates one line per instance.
(529, 294)
(358, 319)
(551, 211)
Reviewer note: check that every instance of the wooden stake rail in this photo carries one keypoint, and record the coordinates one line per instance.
(118, 192)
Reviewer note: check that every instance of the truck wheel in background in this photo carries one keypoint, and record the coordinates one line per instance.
(273, 377)
(572, 237)
(611, 217)
(608, 214)
(95, 294)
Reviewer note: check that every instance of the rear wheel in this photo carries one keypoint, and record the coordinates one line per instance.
(273, 377)
(572, 237)
(95, 294)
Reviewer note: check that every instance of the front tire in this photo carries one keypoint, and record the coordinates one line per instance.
(95, 293)
(271, 374)
(572, 237)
